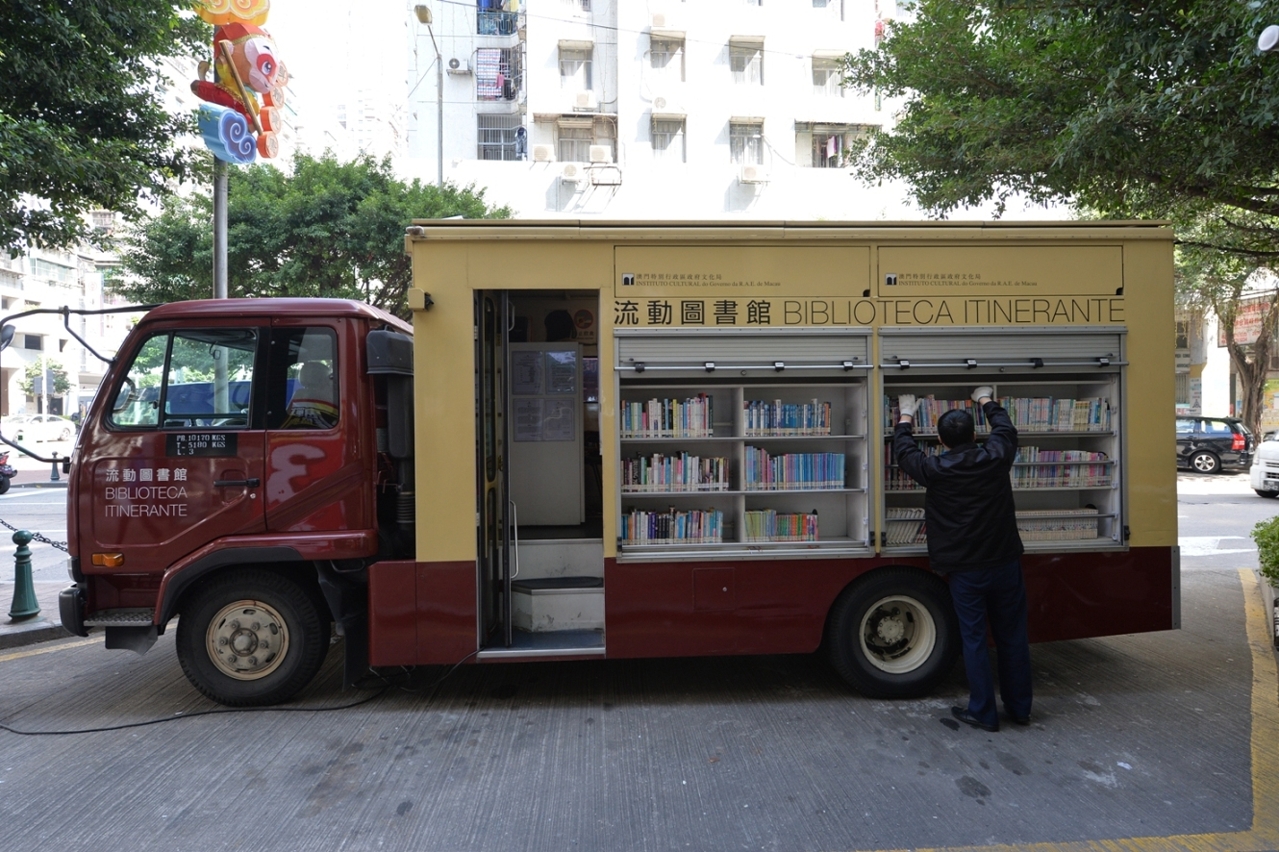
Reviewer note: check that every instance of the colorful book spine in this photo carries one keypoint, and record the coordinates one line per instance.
(694, 526)
(763, 419)
(792, 471)
(770, 525)
(668, 418)
(673, 473)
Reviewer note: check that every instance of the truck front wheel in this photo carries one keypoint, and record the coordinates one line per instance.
(893, 633)
(250, 638)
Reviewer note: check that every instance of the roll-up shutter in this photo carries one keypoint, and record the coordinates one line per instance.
(1040, 348)
(680, 352)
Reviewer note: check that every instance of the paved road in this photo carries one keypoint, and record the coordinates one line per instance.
(1147, 742)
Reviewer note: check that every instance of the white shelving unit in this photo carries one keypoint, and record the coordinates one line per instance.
(842, 523)
(1060, 503)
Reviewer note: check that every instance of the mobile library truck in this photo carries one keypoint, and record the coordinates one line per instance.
(604, 440)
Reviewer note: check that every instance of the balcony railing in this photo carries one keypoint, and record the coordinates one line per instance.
(496, 22)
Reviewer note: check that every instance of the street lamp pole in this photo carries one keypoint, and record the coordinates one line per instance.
(423, 13)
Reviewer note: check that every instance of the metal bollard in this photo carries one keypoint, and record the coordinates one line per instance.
(53, 476)
(25, 604)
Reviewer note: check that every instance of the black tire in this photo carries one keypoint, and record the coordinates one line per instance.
(65, 435)
(893, 633)
(1205, 462)
(282, 638)
(1269, 494)
(4, 484)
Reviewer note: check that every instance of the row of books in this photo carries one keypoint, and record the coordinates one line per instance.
(769, 525)
(1045, 414)
(1033, 468)
(904, 526)
(673, 526)
(1036, 468)
(670, 473)
(792, 471)
(1057, 524)
(1029, 414)
(668, 418)
(766, 419)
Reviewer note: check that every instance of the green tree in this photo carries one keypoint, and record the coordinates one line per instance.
(326, 228)
(82, 121)
(1158, 109)
(1154, 109)
(61, 384)
(1222, 283)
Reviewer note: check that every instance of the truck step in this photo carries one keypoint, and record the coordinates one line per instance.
(550, 604)
(135, 617)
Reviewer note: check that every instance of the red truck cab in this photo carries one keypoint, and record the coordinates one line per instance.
(237, 469)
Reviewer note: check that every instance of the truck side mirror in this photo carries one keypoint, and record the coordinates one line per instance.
(6, 336)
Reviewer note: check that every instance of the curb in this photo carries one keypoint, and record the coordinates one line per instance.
(18, 635)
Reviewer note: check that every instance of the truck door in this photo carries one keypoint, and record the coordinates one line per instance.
(495, 526)
(317, 467)
(180, 460)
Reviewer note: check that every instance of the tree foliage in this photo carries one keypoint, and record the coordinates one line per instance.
(1132, 108)
(82, 118)
(328, 228)
(1225, 284)
(38, 369)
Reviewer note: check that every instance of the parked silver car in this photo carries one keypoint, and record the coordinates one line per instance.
(37, 427)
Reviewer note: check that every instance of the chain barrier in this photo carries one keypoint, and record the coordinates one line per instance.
(35, 536)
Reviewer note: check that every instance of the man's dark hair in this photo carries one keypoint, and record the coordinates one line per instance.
(955, 427)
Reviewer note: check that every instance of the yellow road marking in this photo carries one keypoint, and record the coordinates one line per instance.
(1264, 833)
(45, 649)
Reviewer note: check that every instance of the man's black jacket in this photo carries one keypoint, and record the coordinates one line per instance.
(968, 511)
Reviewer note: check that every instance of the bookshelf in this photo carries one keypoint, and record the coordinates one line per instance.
(1067, 476)
(745, 467)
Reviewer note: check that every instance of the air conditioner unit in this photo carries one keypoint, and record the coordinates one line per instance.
(753, 174)
(459, 66)
(601, 154)
(659, 20)
(666, 105)
(584, 100)
(543, 153)
(572, 173)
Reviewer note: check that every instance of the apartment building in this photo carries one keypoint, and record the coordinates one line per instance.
(661, 109)
(56, 279)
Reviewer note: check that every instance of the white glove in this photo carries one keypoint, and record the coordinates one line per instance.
(984, 390)
(906, 403)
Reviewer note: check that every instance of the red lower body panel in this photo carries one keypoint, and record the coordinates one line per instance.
(421, 613)
(424, 613)
(780, 607)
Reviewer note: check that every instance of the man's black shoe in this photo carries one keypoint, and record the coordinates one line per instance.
(1019, 720)
(962, 714)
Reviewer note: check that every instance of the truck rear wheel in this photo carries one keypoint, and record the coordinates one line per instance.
(250, 638)
(893, 633)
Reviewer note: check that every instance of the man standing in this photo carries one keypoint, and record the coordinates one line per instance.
(972, 537)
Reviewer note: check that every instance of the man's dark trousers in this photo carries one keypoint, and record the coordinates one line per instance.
(1000, 594)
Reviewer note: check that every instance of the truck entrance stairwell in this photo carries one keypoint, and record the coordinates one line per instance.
(608, 440)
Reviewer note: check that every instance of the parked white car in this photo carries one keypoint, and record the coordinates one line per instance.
(1263, 476)
(37, 427)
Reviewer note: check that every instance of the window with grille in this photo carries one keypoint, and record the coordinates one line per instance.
(496, 134)
(668, 140)
(828, 74)
(575, 69)
(828, 144)
(747, 63)
(746, 143)
(666, 58)
(575, 144)
(498, 74)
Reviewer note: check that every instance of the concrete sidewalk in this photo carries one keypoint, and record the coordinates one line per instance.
(43, 627)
